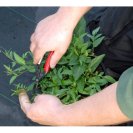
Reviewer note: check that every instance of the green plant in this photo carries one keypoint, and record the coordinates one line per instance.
(77, 74)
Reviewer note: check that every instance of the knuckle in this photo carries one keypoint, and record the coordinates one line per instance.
(39, 45)
(39, 97)
(31, 48)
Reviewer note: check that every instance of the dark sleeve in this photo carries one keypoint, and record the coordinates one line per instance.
(124, 93)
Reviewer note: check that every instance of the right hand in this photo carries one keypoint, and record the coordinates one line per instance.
(53, 33)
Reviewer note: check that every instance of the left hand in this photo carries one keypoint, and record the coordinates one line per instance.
(45, 110)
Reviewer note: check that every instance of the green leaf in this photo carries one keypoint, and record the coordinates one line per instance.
(102, 82)
(80, 84)
(91, 80)
(66, 99)
(67, 82)
(73, 60)
(12, 79)
(97, 87)
(84, 47)
(80, 87)
(95, 62)
(67, 72)
(95, 31)
(97, 42)
(61, 93)
(92, 92)
(8, 68)
(59, 73)
(13, 64)
(110, 79)
(20, 69)
(30, 87)
(78, 71)
(63, 61)
(80, 28)
(82, 58)
(19, 59)
(97, 36)
(73, 95)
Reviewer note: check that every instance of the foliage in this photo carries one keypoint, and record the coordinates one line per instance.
(76, 76)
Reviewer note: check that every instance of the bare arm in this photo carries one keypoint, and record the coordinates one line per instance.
(99, 109)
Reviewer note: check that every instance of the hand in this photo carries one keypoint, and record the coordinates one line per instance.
(51, 34)
(45, 110)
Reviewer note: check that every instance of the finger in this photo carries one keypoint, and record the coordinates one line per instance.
(32, 46)
(24, 101)
(55, 58)
(38, 55)
(32, 38)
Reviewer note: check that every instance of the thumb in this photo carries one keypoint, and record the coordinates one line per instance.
(55, 58)
(24, 101)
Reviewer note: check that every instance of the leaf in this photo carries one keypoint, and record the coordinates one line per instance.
(78, 71)
(32, 69)
(30, 87)
(73, 60)
(59, 73)
(92, 92)
(95, 31)
(63, 61)
(80, 84)
(67, 72)
(97, 36)
(80, 28)
(66, 99)
(84, 47)
(26, 54)
(95, 62)
(80, 87)
(110, 79)
(8, 68)
(97, 42)
(82, 58)
(88, 60)
(12, 79)
(102, 82)
(67, 82)
(19, 59)
(91, 80)
(61, 92)
(13, 64)
(72, 94)
(20, 69)
(97, 87)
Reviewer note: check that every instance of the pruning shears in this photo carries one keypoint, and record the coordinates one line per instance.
(39, 74)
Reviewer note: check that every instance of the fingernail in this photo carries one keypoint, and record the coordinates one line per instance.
(39, 61)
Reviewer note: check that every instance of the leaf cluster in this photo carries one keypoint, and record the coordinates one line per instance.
(77, 74)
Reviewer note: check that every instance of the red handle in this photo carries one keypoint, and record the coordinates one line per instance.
(47, 63)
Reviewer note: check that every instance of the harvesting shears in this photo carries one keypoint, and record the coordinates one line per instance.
(46, 69)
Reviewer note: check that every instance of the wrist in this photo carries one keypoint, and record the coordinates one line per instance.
(70, 16)
(65, 116)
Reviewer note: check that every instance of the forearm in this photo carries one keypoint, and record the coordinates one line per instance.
(72, 15)
(99, 109)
